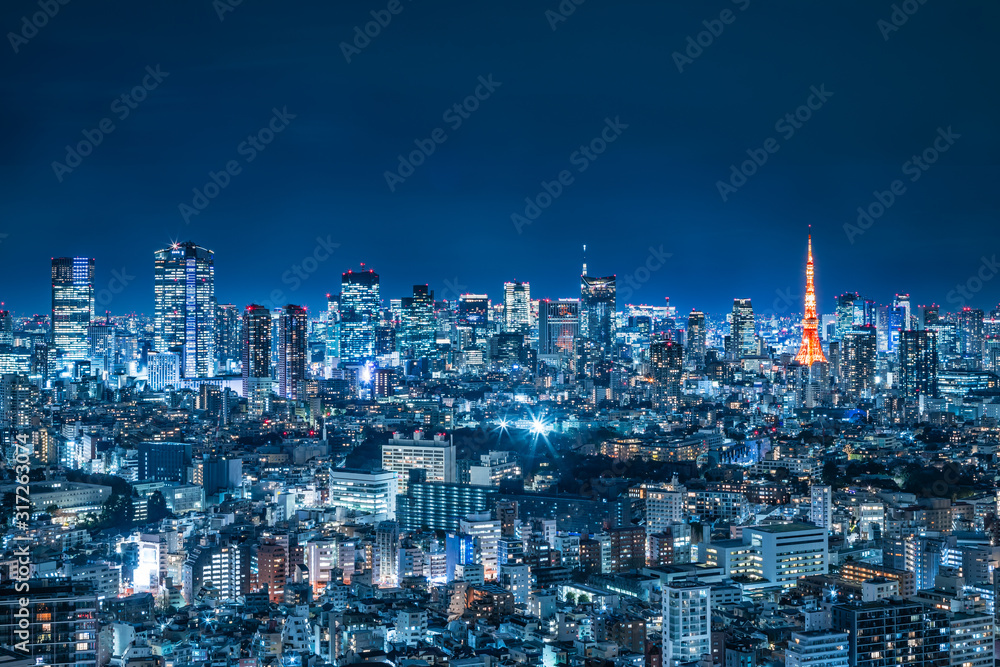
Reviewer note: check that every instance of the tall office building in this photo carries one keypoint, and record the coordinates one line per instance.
(845, 313)
(359, 315)
(163, 369)
(971, 337)
(858, 365)
(72, 304)
(789, 552)
(597, 312)
(228, 341)
(61, 629)
(821, 505)
(436, 457)
(184, 306)
(902, 303)
(6, 328)
(474, 314)
(696, 340)
(742, 335)
(558, 326)
(888, 325)
(293, 328)
(687, 622)
(387, 553)
(163, 461)
(418, 330)
(918, 363)
(893, 632)
(366, 491)
(517, 307)
(666, 365)
(931, 314)
(257, 357)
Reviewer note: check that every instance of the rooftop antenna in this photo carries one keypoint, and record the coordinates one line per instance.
(584, 259)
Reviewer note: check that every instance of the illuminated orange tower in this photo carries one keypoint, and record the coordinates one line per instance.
(811, 351)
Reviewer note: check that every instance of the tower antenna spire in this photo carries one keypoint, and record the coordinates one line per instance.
(811, 351)
(584, 260)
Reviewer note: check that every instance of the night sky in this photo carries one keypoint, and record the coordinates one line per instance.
(449, 223)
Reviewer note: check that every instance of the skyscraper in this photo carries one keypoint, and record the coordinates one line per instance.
(742, 335)
(474, 314)
(184, 306)
(918, 361)
(359, 314)
(970, 325)
(811, 351)
(293, 330)
(696, 340)
(72, 304)
(418, 330)
(257, 357)
(666, 362)
(845, 313)
(597, 312)
(228, 341)
(558, 326)
(6, 328)
(858, 365)
(517, 307)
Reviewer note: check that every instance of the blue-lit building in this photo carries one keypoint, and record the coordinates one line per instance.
(359, 315)
(184, 306)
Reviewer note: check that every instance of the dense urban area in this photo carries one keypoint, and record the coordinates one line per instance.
(495, 479)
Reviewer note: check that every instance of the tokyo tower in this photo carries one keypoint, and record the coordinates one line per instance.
(811, 351)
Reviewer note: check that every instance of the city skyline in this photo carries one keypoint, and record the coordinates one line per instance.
(323, 174)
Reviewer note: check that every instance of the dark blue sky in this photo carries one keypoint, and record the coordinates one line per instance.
(656, 185)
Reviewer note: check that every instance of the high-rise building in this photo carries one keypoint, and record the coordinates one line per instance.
(366, 491)
(742, 334)
(821, 505)
(597, 312)
(163, 461)
(789, 552)
(293, 328)
(269, 569)
(858, 365)
(387, 553)
(418, 330)
(666, 365)
(163, 369)
(184, 306)
(72, 304)
(971, 336)
(846, 313)
(474, 312)
(876, 629)
(811, 351)
(687, 622)
(228, 341)
(931, 315)
(436, 457)
(6, 328)
(918, 363)
(818, 648)
(696, 340)
(61, 628)
(558, 326)
(359, 315)
(517, 307)
(257, 357)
